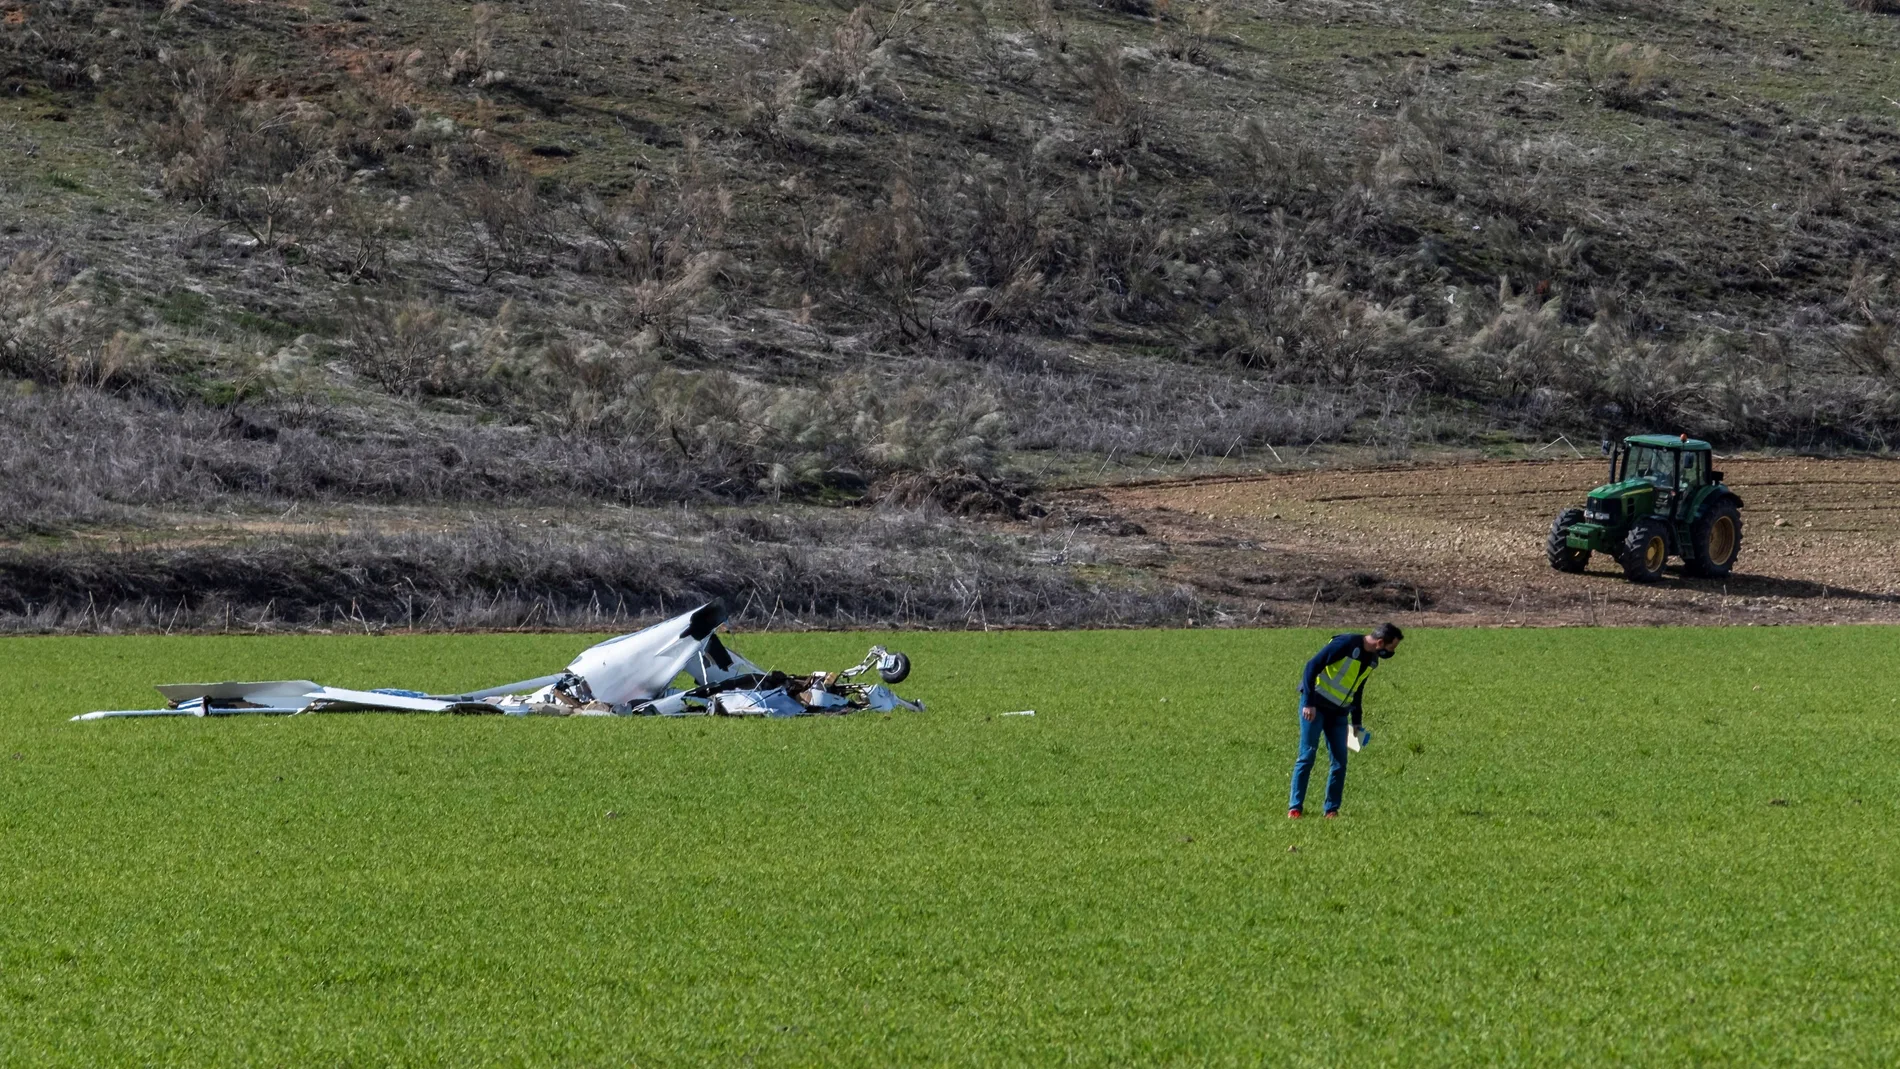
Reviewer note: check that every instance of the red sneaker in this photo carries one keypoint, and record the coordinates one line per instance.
(1332, 814)
(1294, 814)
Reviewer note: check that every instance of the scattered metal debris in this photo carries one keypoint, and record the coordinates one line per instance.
(632, 675)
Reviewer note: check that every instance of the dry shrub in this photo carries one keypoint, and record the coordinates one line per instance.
(662, 240)
(1124, 243)
(1621, 74)
(848, 64)
(1045, 21)
(258, 162)
(1425, 144)
(1519, 349)
(1114, 97)
(795, 439)
(1002, 56)
(961, 493)
(1010, 240)
(52, 331)
(1282, 168)
(508, 224)
(570, 25)
(1869, 339)
(377, 122)
(1186, 30)
(1163, 408)
(414, 349)
(1652, 381)
(72, 45)
(1305, 324)
(844, 72)
(886, 567)
(1008, 245)
(474, 61)
(887, 254)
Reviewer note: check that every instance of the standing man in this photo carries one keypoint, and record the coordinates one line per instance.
(1329, 695)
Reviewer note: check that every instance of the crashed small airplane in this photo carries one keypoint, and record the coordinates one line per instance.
(632, 675)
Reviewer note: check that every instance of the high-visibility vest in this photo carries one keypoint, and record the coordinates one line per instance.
(1341, 680)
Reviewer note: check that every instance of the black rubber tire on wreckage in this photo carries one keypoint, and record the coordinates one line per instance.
(898, 669)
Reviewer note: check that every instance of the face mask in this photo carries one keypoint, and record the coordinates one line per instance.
(1386, 655)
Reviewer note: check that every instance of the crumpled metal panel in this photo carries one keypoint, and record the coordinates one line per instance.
(881, 699)
(774, 702)
(642, 665)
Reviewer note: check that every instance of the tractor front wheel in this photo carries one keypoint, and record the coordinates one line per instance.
(1718, 540)
(1557, 547)
(1645, 551)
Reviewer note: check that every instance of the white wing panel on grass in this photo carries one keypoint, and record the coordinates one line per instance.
(262, 693)
(338, 698)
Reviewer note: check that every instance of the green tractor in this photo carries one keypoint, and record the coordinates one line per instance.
(1662, 501)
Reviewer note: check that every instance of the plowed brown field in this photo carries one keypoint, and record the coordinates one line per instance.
(1465, 544)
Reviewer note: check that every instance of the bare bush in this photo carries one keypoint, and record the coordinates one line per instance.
(1045, 21)
(792, 439)
(414, 349)
(663, 241)
(847, 65)
(73, 455)
(261, 163)
(72, 46)
(474, 61)
(508, 224)
(1621, 74)
(1869, 338)
(1521, 348)
(1187, 30)
(888, 253)
(52, 331)
(1286, 170)
(1114, 97)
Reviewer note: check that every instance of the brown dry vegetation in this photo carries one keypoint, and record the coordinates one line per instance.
(573, 255)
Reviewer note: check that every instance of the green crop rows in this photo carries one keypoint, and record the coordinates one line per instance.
(1564, 847)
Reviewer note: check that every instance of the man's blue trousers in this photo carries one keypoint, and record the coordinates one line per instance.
(1334, 725)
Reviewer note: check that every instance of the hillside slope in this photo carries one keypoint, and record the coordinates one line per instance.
(570, 255)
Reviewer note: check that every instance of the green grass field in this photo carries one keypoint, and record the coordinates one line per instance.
(1564, 847)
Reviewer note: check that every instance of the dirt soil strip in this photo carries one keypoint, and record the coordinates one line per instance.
(1464, 544)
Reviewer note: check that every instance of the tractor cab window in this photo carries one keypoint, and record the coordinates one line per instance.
(1649, 462)
(1692, 465)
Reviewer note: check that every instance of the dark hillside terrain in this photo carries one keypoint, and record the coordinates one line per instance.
(541, 307)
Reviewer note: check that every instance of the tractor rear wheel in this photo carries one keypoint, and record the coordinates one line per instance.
(1645, 551)
(1718, 540)
(1557, 547)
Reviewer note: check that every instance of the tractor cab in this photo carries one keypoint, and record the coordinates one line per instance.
(1663, 499)
(1654, 473)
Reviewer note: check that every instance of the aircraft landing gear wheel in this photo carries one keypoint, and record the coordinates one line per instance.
(894, 669)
